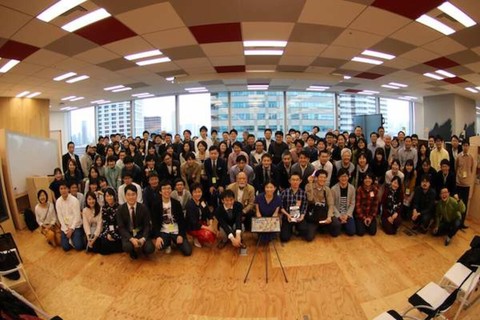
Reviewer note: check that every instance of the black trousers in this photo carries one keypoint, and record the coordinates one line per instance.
(448, 228)
(147, 248)
(362, 228)
(169, 238)
(286, 230)
(463, 195)
(109, 247)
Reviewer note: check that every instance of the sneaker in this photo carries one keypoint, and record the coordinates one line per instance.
(168, 250)
(447, 241)
(221, 244)
(197, 243)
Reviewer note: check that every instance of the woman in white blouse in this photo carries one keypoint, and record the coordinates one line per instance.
(394, 172)
(47, 218)
(92, 221)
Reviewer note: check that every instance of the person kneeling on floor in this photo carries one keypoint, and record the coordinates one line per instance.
(448, 215)
(229, 216)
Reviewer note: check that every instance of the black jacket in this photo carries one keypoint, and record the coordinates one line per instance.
(222, 177)
(65, 159)
(142, 221)
(196, 215)
(230, 225)
(177, 213)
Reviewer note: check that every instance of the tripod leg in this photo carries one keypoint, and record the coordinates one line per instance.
(280, 261)
(251, 262)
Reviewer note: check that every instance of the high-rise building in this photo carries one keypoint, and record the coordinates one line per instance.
(352, 105)
(152, 124)
(115, 118)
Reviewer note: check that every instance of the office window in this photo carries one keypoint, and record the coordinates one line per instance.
(194, 112)
(82, 127)
(154, 115)
(110, 118)
(254, 111)
(219, 111)
(308, 109)
(396, 115)
(352, 105)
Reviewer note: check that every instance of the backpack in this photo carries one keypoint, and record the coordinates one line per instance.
(30, 219)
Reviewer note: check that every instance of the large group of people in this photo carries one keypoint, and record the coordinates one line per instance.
(163, 191)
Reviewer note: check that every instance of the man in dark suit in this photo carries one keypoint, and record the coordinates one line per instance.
(303, 168)
(217, 179)
(168, 222)
(71, 155)
(453, 149)
(133, 221)
(229, 216)
(265, 172)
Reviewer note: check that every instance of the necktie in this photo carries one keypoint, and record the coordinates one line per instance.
(214, 168)
(132, 213)
(230, 214)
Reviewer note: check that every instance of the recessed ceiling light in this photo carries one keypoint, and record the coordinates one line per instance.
(144, 54)
(58, 9)
(196, 88)
(401, 85)
(365, 93)
(76, 79)
(367, 60)
(260, 71)
(77, 99)
(378, 54)
(433, 75)
(32, 95)
(87, 19)
(457, 14)
(9, 65)
(263, 52)
(370, 91)
(265, 43)
(114, 87)
(122, 89)
(198, 91)
(68, 98)
(319, 87)
(435, 25)
(471, 90)
(65, 76)
(101, 101)
(153, 61)
(145, 96)
(313, 89)
(390, 86)
(446, 73)
(408, 98)
(170, 78)
(22, 94)
(140, 94)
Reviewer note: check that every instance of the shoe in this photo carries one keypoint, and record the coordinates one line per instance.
(463, 226)
(415, 227)
(197, 243)
(447, 241)
(133, 255)
(168, 250)
(221, 244)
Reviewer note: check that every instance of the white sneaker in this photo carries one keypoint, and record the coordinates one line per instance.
(168, 250)
(197, 243)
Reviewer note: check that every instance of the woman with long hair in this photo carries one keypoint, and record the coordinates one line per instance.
(47, 219)
(110, 239)
(392, 205)
(92, 222)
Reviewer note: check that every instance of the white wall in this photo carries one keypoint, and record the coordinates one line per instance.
(464, 113)
(419, 120)
(60, 121)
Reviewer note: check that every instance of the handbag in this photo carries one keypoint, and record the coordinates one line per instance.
(8, 256)
(318, 211)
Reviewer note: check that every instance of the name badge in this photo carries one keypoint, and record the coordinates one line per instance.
(111, 228)
(464, 174)
(203, 204)
(135, 232)
(214, 180)
(407, 191)
(372, 194)
(171, 227)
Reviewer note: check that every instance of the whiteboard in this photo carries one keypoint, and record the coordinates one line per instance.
(29, 156)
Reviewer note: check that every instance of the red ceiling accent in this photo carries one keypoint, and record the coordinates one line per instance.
(222, 32)
(16, 50)
(106, 31)
(369, 75)
(352, 90)
(410, 9)
(226, 69)
(454, 80)
(441, 63)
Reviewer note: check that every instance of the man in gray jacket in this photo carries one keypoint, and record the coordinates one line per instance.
(344, 200)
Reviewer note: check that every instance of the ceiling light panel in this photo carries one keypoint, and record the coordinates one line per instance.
(432, 75)
(144, 54)
(471, 90)
(153, 61)
(367, 60)
(396, 84)
(65, 76)
(446, 73)
(389, 86)
(77, 79)
(22, 94)
(68, 98)
(377, 54)
(9, 65)
(435, 25)
(122, 89)
(457, 14)
(114, 87)
(87, 19)
(263, 52)
(58, 8)
(265, 43)
(34, 94)
(77, 99)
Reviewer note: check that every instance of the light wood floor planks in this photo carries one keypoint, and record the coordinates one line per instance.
(343, 278)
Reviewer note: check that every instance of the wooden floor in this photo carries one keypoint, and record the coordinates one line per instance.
(342, 278)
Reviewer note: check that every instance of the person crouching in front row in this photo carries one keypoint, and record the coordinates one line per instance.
(229, 216)
(68, 211)
(448, 215)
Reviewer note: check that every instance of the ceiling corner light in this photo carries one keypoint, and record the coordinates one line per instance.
(390, 86)
(122, 89)
(87, 19)
(432, 75)
(435, 25)
(367, 60)
(377, 54)
(77, 99)
(265, 43)
(9, 65)
(64, 76)
(446, 73)
(114, 87)
(457, 14)
(471, 90)
(153, 61)
(22, 94)
(263, 52)
(57, 9)
(77, 79)
(396, 84)
(34, 94)
(144, 54)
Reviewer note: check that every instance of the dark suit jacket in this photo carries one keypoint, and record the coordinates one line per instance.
(177, 213)
(309, 170)
(259, 181)
(230, 225)
(451, 157)
(65, 159)
(450, 183)
(142, 220)
(283, 176)
(163, 173)
(222, 177)
(196, 215)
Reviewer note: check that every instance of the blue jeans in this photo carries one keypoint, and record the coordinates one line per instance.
(78, 240)
(336, 227)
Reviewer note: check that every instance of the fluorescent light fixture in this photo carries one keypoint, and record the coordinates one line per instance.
(144, 54)
(314, 89)
(263, 52)
(446, 73)
(101, 101)
(370, 91)
(145, 96)
(366, 93)
(58, 9)
(435, 25)
(68, 108)
(257, 85)
(390, 86)
(195, 88)
(153, 61)
(318, 87)
(471, 90)
(140, 94)
(114, 87)
(478, 108)
(367, 60)
(396, 84)
(170, 79)
(65, 76)
(22, 94)
(260, 71)
(478, 88)
(9, 65)
(347, 77)
(457, 14)
(433, 75)
(68, 98)
(377, 54)
(32, 95)
(122, 89)
(77, 99)
(266, 43)
(76, 79)
(87, 19)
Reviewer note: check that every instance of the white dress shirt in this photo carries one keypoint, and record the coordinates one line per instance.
(68, 212)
